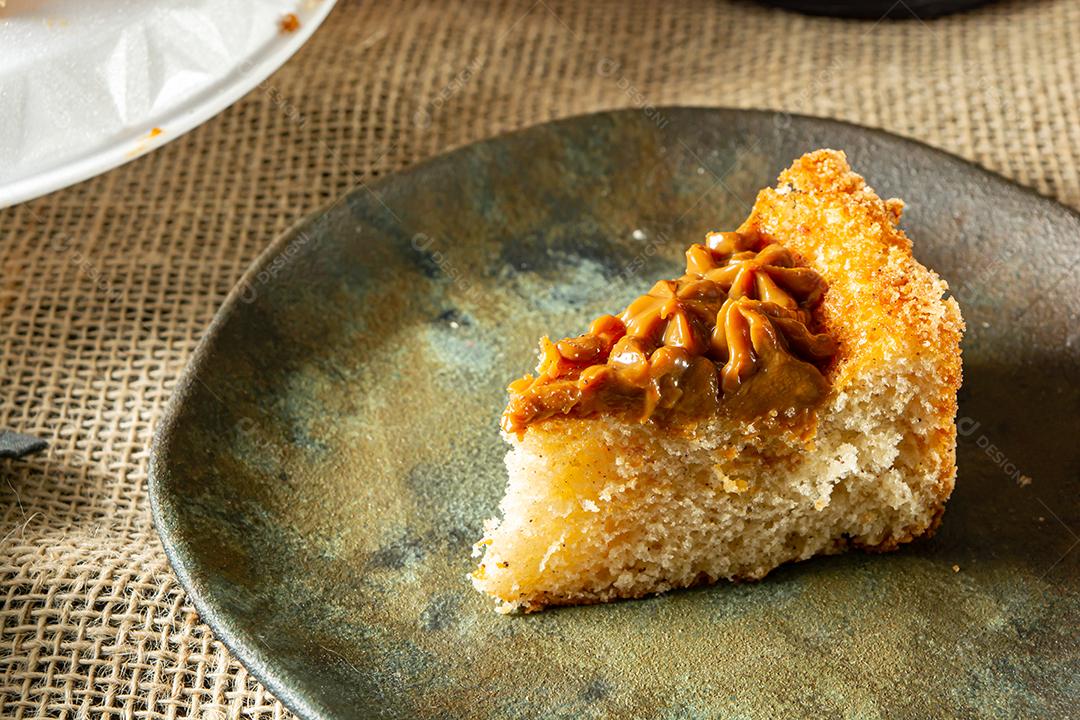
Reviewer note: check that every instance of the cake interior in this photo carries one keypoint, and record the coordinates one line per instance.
(603, 507)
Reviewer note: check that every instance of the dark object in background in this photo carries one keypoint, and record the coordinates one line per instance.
(15, 445)
(878, 9)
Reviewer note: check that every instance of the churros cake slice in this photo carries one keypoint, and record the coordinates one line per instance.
(793, 394)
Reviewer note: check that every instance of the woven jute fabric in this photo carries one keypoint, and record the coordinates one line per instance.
(106, 287)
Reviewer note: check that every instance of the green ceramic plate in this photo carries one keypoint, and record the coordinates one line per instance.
(332, 451)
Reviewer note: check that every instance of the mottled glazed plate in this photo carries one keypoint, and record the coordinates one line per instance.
(332, 451)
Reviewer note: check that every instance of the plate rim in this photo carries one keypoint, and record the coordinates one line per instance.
(236, 640)
(139, 140)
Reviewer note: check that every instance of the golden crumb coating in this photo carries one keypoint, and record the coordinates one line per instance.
(882, 302)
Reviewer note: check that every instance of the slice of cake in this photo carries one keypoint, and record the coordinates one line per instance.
(792, 394)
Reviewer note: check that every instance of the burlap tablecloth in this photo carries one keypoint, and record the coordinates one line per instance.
(106, 287)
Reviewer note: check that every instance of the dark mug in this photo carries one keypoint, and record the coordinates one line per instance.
(878, 9)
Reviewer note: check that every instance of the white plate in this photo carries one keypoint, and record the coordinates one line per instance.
(86, 85)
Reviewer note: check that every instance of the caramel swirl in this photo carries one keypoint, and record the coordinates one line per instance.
(732, 334)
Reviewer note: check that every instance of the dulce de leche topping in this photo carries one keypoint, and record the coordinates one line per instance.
(731, 335)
